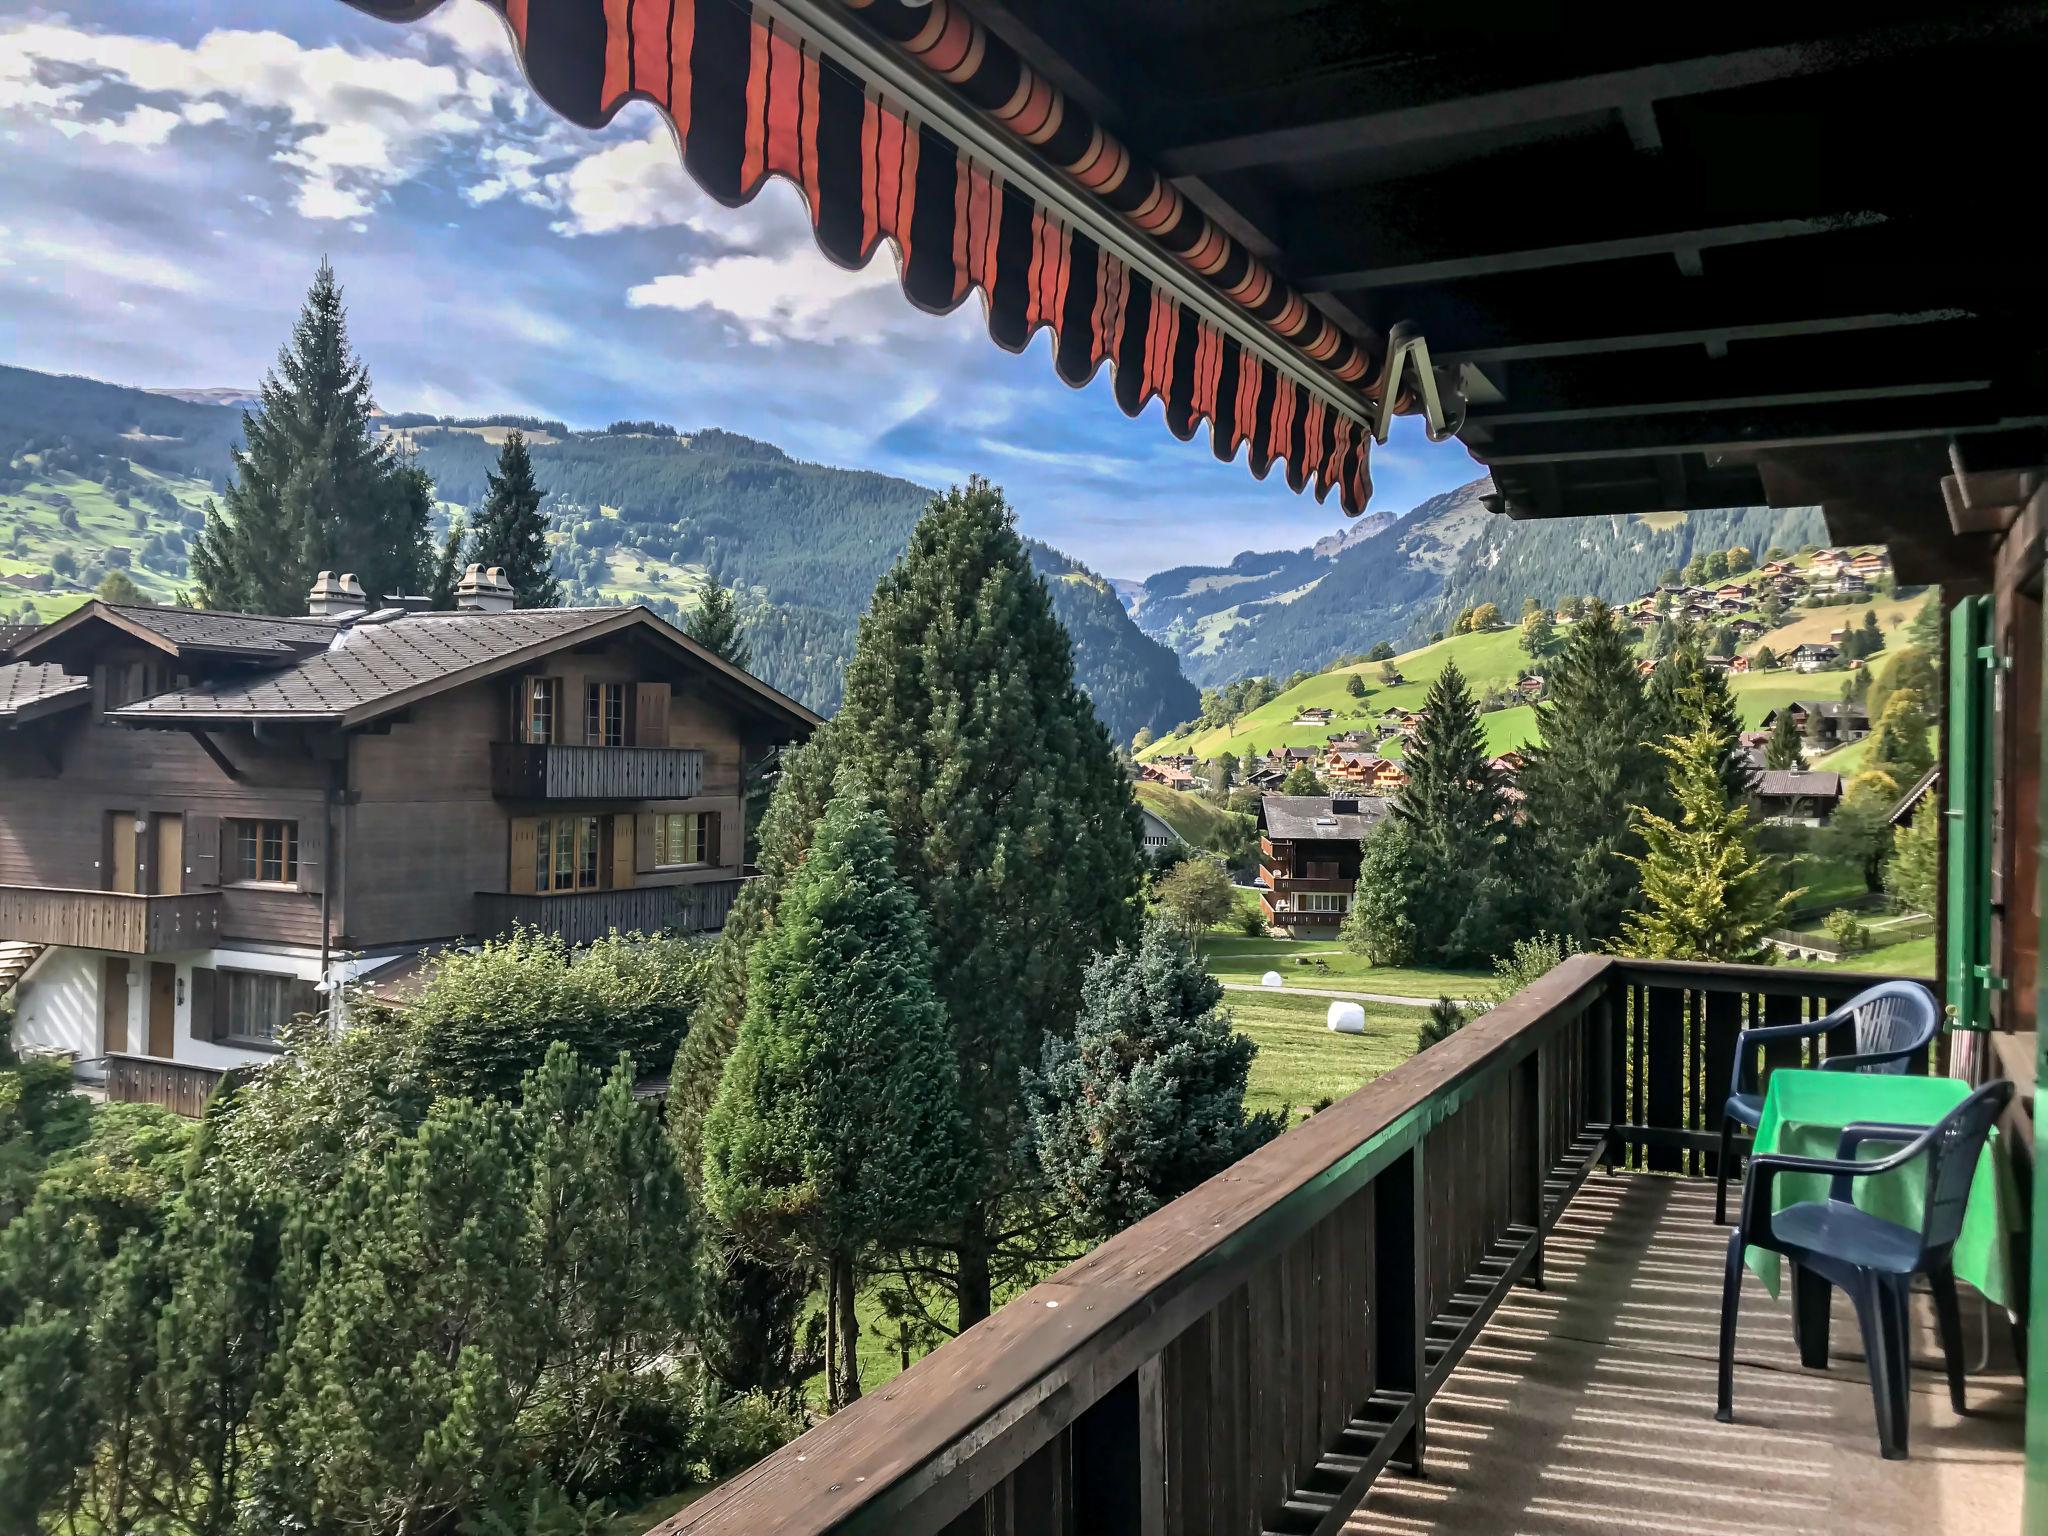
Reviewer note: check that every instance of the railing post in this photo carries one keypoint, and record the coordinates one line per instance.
(1401, 1291)
(1529, 1083)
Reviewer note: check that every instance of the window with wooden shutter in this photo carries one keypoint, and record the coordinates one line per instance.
(604, 715)
(650, 714)
(202, 852)
(540, 711)
(623, 861)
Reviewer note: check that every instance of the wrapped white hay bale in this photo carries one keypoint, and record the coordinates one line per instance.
(1346, 1019)
(1271, 979)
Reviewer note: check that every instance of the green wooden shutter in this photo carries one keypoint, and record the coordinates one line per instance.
(1968, 781)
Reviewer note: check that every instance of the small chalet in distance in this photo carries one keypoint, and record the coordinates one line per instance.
(211, 821)
(1309, 848)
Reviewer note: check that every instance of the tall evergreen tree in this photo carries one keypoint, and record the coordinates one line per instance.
(1786, 748)
(1595, 761)
(1461, 907)
(837, 1124)
(1708, 894)
(314, 489)
(715, 625)
(511, 531)
(1014, 823)
(1147, 1099)
(1671, 713)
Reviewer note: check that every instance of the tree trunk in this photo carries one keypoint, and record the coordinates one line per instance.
(972, 1283)
(849, 1334)
(832, 1335)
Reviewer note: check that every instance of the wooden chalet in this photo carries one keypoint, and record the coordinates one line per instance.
(1308, 859)
(1795, 795)
(1736, 255)
(210, 823)
(1826, 723)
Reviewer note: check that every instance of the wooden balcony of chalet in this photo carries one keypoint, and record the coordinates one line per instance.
(1480, 1294)
(520, 771)
(583, 917)
(120, 921)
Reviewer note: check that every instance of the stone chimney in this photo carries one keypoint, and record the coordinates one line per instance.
(484, 591)
(333, 598)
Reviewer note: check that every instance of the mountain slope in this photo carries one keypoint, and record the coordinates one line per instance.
(95, 477)
(1278, 612)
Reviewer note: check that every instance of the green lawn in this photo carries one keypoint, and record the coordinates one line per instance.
(1196, 818)
(1300, 1062)
(1246, 960)
(1914, 957)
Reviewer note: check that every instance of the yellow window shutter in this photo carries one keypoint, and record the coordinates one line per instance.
(525, 848)
(624, 863)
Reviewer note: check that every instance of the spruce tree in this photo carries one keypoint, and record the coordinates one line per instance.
(715, 625)
(1708, 894)
(1595, 761)
(511, 531)
(837, 1123)
(1461, 908)
(1786, 748)
(314, 489)
(1014, 822)
(1667, 699)
(1146, 1100)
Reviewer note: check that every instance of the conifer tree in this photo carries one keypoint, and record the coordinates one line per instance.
(837, 1123)
(715, 625)
(1595, 761)
(1146, 1100)
(511, 531)
(1014, 822)
(1786, 748)
(1461, 906)
(314, 489)
(1708, 894)
(1681, 674)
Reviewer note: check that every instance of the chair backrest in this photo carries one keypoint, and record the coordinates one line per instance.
(1952, 1162)
(1893, 1016)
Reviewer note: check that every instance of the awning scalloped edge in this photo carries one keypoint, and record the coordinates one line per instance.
(748, 97)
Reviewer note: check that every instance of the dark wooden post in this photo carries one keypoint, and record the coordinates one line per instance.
(1401, 1290)
(1534, 1123)
(1607, 1023)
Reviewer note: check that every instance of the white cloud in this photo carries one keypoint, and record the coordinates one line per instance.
(350, 125)
(796, 296)
(75, 256)
(638, 184)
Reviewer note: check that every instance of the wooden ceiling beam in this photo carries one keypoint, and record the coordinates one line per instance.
(1344, 80)
(1749, 431)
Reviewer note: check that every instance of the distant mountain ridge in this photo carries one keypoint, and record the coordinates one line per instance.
(97, 476)
(1399, 579)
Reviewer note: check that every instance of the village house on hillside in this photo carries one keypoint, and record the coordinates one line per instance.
(1812, 657)
(208, 821)
(1155, 833)
(1309, 848)
(1164, 771)
(1825, 723)
(1793, 795)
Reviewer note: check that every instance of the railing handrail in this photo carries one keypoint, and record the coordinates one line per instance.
(85, 890)
(1037, 1363)
(586, 746)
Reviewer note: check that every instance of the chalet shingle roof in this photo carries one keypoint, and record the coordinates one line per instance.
(196, 631)
(1305, 818)
(23, 683)
(12, 635)
(371, 667)
(1791, 783)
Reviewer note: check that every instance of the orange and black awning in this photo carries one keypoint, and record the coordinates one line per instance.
(939, 159)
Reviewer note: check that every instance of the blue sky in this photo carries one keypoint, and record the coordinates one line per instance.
(170, 174)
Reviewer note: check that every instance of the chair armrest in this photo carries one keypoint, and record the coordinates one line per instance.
(1856, 1063)
(1747, 1042)
(1853, 1137)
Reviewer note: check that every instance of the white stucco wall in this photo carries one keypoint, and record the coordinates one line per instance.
(59, 1002)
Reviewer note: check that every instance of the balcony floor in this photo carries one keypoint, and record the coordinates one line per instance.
(1589, 1407)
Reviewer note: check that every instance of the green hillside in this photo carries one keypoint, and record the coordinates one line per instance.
(1493, 660)
(1195, 818)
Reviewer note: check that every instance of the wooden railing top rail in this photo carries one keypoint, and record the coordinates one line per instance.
(1763, 980)
(84, 890)
(911, 1454)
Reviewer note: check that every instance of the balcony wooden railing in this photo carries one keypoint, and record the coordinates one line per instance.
(1249, 1358)
(583, 917)
(522, 772)
(111, 920)
(178, 1086)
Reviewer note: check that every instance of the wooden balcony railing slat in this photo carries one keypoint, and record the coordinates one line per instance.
(121, 922)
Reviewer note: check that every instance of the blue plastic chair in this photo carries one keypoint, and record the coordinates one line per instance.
(1834, 1242)
(1895, 1020)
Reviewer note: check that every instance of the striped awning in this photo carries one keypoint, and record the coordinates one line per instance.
(945, 156)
